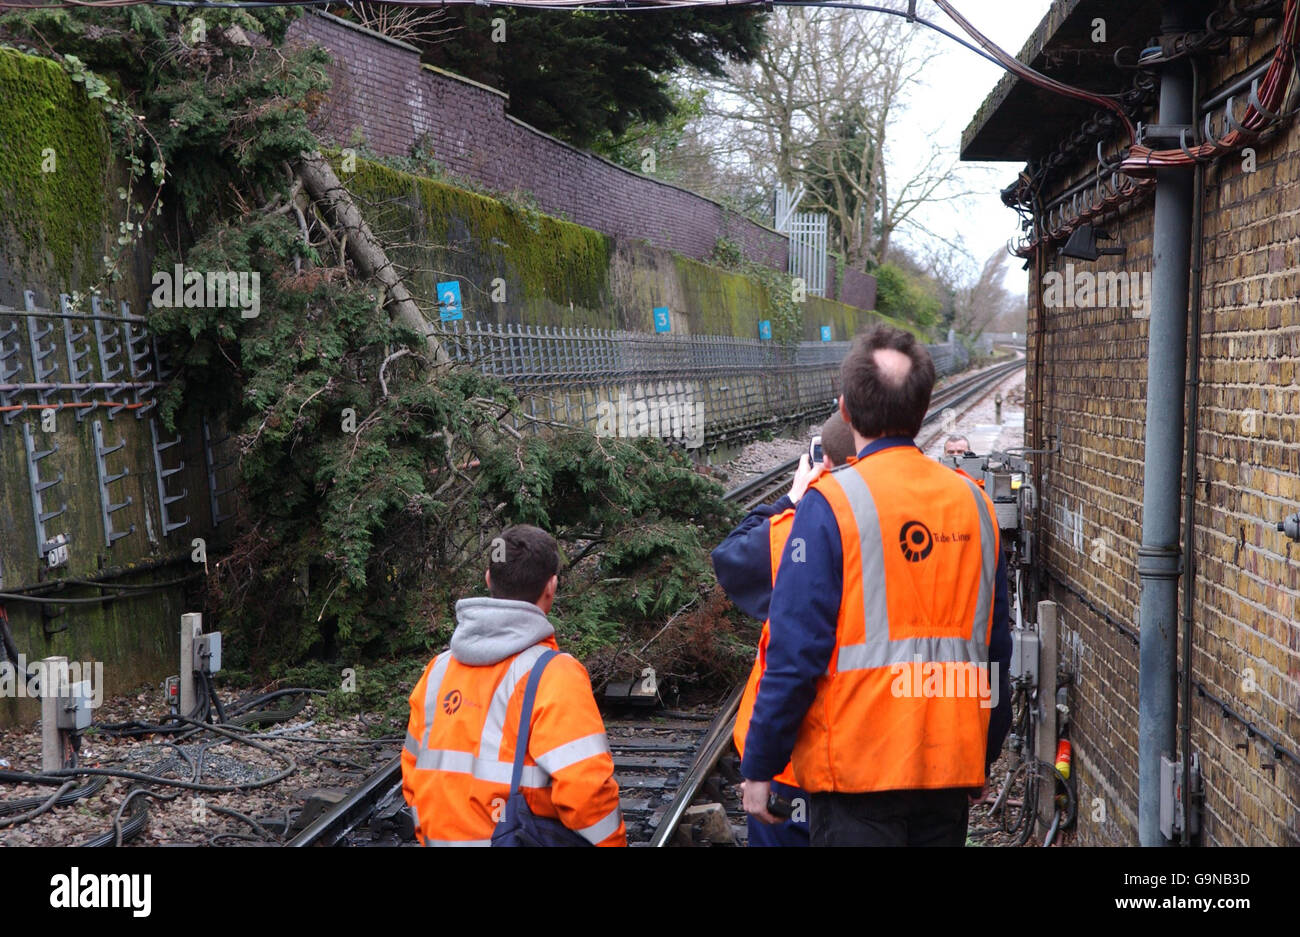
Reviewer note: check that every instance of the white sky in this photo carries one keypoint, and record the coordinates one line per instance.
(958, 81)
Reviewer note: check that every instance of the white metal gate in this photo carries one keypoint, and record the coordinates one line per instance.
(807, 232)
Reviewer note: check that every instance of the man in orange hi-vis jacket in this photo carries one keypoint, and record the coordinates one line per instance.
(465, 710)
(746, 564)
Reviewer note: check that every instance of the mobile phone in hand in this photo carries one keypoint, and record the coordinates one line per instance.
(778, 806)
(815, 451)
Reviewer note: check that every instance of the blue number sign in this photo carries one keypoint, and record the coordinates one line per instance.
(765, 330)
(826, 333)
(661, 319)
(449, 307)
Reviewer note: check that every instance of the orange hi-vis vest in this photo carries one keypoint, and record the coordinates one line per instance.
(778, 533)
(460, 749)
(906, 699)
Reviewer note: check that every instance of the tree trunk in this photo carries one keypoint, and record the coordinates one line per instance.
(364, 249)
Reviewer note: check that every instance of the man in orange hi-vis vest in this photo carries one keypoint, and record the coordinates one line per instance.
(746, 564)
(886, 683)
(465, 713)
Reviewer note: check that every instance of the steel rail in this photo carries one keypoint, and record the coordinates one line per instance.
(715, 742)
(331, 826)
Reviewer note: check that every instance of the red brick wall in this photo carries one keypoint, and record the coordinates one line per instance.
(854, 288)
(381, 90)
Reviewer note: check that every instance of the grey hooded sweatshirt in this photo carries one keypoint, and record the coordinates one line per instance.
(490, 630)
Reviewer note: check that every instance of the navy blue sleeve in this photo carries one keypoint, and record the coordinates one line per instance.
(805, 607)
(743, 562)
(1000, 653)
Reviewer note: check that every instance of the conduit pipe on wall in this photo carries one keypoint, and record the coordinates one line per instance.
(1159, 557)
(1189, 478)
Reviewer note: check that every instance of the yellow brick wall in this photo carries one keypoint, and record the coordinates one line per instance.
(1088, 386)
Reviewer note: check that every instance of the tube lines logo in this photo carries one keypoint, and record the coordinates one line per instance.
(916, 541)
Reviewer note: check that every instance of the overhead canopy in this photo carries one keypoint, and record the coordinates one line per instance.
(1020, 121)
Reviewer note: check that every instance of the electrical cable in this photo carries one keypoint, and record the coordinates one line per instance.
(44, 806)
(97, 600)
(26, 803)
(292, 766)
(1264, 110)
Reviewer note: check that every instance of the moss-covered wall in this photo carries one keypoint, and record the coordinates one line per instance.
(557, 273)
(55, 171)
(554, 272)
(55, 227)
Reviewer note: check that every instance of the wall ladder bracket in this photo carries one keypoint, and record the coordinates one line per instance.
(214, 493)
(10, 364)
(44, 363)
(162, 474)
(37, 488)
(109, 343)
(107, 507)
(71, 336)
(139, 354)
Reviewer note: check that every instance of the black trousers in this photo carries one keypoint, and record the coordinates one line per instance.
(890, 818)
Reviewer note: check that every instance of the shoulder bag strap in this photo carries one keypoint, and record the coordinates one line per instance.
(526, 718)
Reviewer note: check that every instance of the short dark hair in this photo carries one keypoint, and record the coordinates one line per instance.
(523, 560)
(877, 404)
(837, 440)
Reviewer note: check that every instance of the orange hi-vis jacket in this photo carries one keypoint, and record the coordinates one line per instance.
(460, 741)
(778, 533)
(906, 700)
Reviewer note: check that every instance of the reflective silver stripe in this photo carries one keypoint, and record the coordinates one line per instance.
(458, 842)
(436, 673)
(489, 746)
(496, 772)
(877, 650)
(989, 549)
(562, 756)
(886, 653)
(412, 744)
(602, 827)
(875, 595)
(415, 815)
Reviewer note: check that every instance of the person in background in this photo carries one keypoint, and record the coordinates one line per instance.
(746, 564)
(465, 712)
(898, 570)
(954, 447)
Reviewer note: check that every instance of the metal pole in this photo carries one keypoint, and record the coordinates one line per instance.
(1159, 557)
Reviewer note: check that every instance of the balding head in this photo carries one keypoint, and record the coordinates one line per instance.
(887, 380)
(892, 365)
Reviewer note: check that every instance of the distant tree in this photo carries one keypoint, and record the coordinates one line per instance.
(818, 105)
(905, 295)
(585, 77)
(648, 146)
(987, 305)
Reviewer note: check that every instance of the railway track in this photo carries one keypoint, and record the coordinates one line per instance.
(662, 762)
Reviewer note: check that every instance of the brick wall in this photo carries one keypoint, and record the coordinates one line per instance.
(1087, 385)
(381, 91)
(853, 288)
